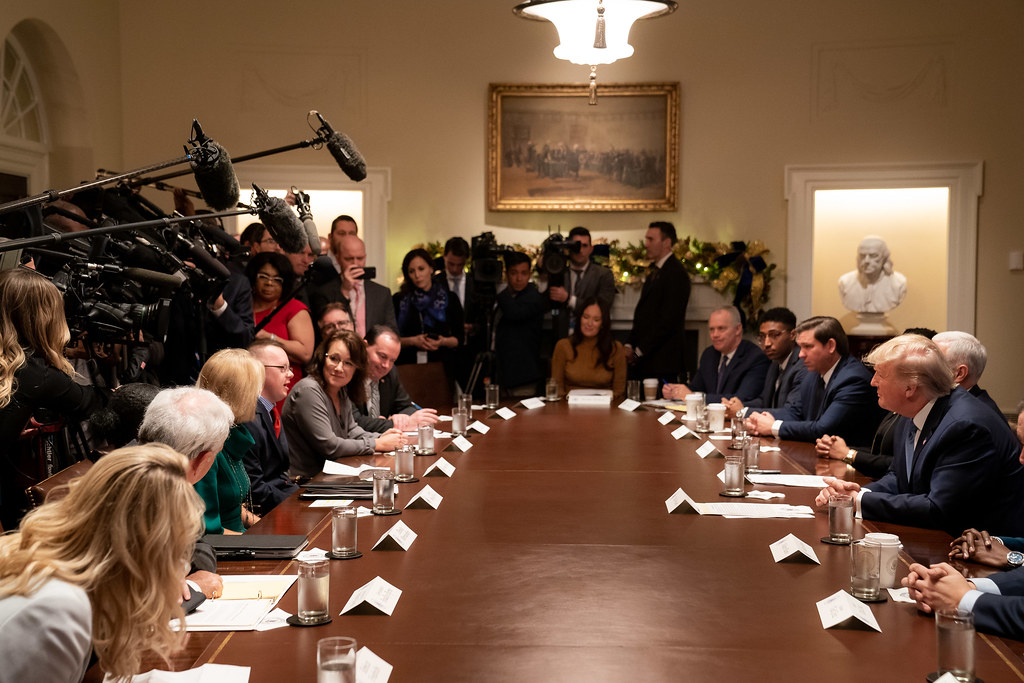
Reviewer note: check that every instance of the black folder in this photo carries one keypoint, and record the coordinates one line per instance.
(256, 546)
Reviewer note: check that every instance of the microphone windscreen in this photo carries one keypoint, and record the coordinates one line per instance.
(347, 156)
(284, 225)
(152, 277)
(312, 236)
(215, 177)
(206, 262)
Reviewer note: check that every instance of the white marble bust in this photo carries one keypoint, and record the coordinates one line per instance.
(874, 287)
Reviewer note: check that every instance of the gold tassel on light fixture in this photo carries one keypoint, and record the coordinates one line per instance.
(599, 31)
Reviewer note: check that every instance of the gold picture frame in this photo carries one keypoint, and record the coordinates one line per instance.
(548, 149)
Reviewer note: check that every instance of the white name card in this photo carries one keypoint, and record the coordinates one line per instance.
(681, 431)
(629, 405)
(680, 502)
(440, 468)
(531, 403)
(462, 443)
(666, 417)
(707, 449)
(370, 668)
(374, 597)
(480, 427)
(425, 499)
(505, 413)
(398, 537)
(841, 607)
(789, 545)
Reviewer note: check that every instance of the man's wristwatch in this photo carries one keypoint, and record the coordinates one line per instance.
(1015, 558)
(851, 455)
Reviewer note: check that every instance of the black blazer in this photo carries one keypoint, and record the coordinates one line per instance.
(743, 377)
(597, 281)
(267, 463)
(393, 399)
(659, 320)
(789, 384)
(379, 310)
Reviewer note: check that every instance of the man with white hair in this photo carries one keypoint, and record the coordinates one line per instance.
(955, 464)
(874, 287)
(194, 422)
(967, 358)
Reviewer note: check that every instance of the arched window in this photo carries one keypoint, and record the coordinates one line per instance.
(21, 111)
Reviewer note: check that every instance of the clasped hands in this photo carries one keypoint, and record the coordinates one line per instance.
(407, 423)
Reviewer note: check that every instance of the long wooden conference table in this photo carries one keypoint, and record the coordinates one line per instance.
(552, 557)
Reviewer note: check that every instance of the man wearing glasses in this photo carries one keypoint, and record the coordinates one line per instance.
(785, 374)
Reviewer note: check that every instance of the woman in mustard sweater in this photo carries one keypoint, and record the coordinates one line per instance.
(590, 358)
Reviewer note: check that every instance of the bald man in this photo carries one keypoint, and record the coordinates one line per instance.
(369, 302)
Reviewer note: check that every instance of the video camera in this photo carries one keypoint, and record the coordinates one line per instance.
(487, 267)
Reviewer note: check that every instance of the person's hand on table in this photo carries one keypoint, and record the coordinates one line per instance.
(760, 424)
(979, 547)
(210, 584)
(937, 587)
(732, 407)
(833, 447)
(391, 440)
(423, 416)
(674, 391)
(833, 487)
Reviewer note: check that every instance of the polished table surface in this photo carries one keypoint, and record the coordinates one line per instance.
(552, 558)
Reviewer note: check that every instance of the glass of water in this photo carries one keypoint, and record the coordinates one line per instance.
(383, 492)
(314, 590)
(336, 660)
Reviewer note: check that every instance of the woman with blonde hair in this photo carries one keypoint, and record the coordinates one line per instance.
(236, 377)
(101, 569)
(34, 376)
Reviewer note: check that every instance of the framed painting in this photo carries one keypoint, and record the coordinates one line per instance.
(548, 149)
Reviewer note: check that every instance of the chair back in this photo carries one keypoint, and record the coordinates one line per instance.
(427, 385)
(55, 487)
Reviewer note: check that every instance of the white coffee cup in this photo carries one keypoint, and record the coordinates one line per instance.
(890, 544)
(716, 417)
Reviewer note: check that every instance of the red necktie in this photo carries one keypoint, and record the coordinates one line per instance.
(276, 413)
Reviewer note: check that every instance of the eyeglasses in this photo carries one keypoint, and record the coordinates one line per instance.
(283, 368)
(335, 359)
(268, 240)
(327, 328)
(276, 279)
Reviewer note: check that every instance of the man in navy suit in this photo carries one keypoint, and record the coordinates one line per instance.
(777, 336)
(387, 402)
(731, 366)
(267, 461)
(955, 464)
(967, 358)
(835, 397)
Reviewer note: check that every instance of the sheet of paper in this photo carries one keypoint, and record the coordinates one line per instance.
(425, 498)
(439, 468)
(333, 467)
(533, 402)
(681, 431)
(840, 606)
(901, 595)
(312, 554)
(680, 501)
(790, 545)
(376, 593)
(330, 503)
(707, 449)
(629, 405)
(251, 586)
(370, 668)
(764, 495)
(480, 427)
(228, 615)
(398, 535)
(462, 443)
(806, 480)
(276, 619)
(666, 417)
(505, 413)
(736, 510)
(206, 673)
(769, 449)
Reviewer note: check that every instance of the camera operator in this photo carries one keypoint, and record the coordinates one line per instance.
(37, 387)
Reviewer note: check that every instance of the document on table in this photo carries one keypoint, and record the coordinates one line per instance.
(206, 673)
(246, 600)
(806, 480)
(332, 467)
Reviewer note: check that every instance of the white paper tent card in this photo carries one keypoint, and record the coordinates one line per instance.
(375, 597)
(680, 502)
(480, 427)
(425, 499)
(707, 449)
(459, 444)
(440, 468)
(370, 668)
(505, 413)
(843, 608)
(666, 417)
(532, 403)
(398, 537)
(683, 431)
(629, 405)
(791, 547)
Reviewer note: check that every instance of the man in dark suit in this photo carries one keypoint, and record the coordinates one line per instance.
(387, 403)
(955, 464)
(777, 336)
(731, 366)
(369, 302)
(460, 283)
(582, 280)
(657, 340)
(267, 461)
(967, 358)
(835, 397)
(517, 334)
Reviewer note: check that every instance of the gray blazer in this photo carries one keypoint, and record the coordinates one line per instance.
(47, 635)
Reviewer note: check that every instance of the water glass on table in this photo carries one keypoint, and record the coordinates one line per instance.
(336, 660)
(840, 518)
(954, 634)
(343, 532)
(314, 591)
(383, 492)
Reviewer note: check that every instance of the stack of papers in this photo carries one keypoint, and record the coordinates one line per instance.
(590, 397)
(246, 600)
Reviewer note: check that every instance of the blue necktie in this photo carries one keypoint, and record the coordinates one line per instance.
(910, 449)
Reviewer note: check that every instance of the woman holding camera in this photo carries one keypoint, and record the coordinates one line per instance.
(38, 392)
(317, 415)
(429, 316)
(590, 358)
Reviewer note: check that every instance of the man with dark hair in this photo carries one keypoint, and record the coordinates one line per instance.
(518, 331)
(657, 340)
(582, 280)
(258, 239)
(835, 397)
(777, 336)
(387, 403)
(340, 226)
(456, 254)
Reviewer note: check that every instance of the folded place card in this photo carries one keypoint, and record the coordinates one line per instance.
(534, 402)
(480, 427)
(901, 595)
(440, 468)
(681, 431)
(370, 668)
(707, 449)
(666, 417)
(398, 537)
(459, 443)
(842, 607)
(789, 546)
(425, 499)
(505, 413)
(374, 597)
(629, 405)
(680, 502)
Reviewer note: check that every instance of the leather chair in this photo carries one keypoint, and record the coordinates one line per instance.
(427, 385)
(56, 487)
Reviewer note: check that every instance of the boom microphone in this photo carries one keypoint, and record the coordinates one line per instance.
(343, 150)
(211, 165)
(306, 216)
(281, 221)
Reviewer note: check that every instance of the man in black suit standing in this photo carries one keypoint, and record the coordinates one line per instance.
(656, 342)
(583, 279)
(460, 283)
(267, 461)
(369, 302)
